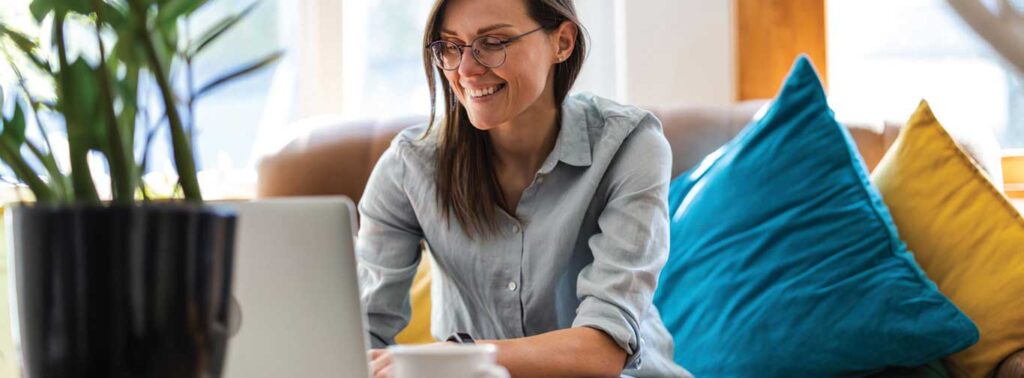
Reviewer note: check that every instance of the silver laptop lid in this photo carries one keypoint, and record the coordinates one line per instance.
(297, 287)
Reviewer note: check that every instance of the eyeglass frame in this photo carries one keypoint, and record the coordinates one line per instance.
(503, 42)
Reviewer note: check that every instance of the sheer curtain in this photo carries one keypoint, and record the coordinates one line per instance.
(885, 56)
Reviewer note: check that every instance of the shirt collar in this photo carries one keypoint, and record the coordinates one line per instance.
(573, 143)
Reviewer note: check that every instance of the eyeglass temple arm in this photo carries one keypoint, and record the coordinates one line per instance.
(503, 41)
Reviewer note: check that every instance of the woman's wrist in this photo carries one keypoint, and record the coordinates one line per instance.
(461, 338)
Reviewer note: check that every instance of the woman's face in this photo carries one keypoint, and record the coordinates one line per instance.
(520, 84)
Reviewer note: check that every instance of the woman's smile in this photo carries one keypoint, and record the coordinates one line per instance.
(484, 94)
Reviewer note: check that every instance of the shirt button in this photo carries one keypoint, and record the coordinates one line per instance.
(512, 286)
(515, 228)
(540, 179)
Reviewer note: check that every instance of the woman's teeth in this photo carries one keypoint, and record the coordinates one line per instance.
(474, 93)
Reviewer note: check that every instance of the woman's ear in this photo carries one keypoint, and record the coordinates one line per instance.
(565, 40)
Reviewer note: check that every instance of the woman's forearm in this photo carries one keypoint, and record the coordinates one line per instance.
(573, 352)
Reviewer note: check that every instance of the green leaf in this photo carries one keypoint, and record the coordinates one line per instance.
(115, 15)
(127, 90)
(169, 35)
(21, 40)
(173, 10)
(14, 128)
(219, 28)
(144, 162)
(127, 49)
(9, 155)
(71, 103)
(82, 98)
(11, 139)
(27, 46)
(238, 73)
(58, 181)
(41, 8)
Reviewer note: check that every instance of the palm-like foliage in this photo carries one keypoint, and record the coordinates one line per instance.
(137, 42)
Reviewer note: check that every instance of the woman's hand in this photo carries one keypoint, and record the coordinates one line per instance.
(571, 352)
(380, 363)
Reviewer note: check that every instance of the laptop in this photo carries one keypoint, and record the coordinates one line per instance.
(297, 290)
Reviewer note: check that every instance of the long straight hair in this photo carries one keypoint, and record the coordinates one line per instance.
(466, 184)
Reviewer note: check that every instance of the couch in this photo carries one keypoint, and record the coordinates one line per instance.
(336, 158)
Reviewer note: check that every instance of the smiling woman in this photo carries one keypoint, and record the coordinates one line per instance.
(545, 212)
(538, 78)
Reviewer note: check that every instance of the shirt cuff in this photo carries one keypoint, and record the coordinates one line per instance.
(377, 342)
(618, 324)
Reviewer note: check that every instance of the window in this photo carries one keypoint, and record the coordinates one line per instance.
(346, 59)
(885, 56)
(383, 50)
(226, 119)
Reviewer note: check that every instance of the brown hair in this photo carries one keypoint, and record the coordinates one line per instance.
(466, 184)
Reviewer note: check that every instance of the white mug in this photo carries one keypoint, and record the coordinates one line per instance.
(446, 361)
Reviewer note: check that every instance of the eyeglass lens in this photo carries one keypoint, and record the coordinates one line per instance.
(488, 51)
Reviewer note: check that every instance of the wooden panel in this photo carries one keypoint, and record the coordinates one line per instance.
(769, 35)
(1013, 173)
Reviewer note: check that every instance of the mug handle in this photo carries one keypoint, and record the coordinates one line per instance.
(493, 371)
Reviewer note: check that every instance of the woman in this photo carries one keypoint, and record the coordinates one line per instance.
(546, 213)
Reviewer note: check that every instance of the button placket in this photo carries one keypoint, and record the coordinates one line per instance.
(514, 283)
(517, 230)
(507, 282)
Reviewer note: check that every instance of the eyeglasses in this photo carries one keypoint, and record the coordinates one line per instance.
(488, 51)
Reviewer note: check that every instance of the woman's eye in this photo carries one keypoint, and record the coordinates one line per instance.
(491, 44)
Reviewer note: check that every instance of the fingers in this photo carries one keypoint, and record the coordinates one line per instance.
(380, 363)
(376, 353)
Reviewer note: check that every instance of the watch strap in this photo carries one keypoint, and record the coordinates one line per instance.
(461, 338)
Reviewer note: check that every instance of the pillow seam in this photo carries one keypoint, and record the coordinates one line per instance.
(921, 279)
(978, 174)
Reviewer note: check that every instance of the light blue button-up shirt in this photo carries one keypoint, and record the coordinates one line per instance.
(585, 248)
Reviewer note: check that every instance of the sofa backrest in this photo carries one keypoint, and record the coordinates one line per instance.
(337, 157)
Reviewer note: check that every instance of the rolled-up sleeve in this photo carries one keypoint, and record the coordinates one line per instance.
(616, 289)
(387, 248)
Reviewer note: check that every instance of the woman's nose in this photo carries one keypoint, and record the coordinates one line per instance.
(469, 66)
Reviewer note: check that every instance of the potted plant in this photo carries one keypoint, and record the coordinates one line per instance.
(125, 285)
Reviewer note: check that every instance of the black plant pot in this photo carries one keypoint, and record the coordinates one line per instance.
(122, 290)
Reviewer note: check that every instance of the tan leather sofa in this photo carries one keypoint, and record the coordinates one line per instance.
(338, 158)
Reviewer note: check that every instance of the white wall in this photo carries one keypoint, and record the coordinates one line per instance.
(643, 52)
(600, 68)
(676, 51)
(659, 52)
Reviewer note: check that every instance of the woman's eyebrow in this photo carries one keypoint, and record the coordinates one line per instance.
(482, 30)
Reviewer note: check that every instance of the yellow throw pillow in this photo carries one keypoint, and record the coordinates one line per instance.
(963, 232)
(418, 329)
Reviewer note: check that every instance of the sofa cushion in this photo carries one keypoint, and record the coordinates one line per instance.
(785, 262)
(964, 233)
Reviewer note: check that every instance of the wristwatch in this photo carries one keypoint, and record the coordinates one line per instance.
(461, 338)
